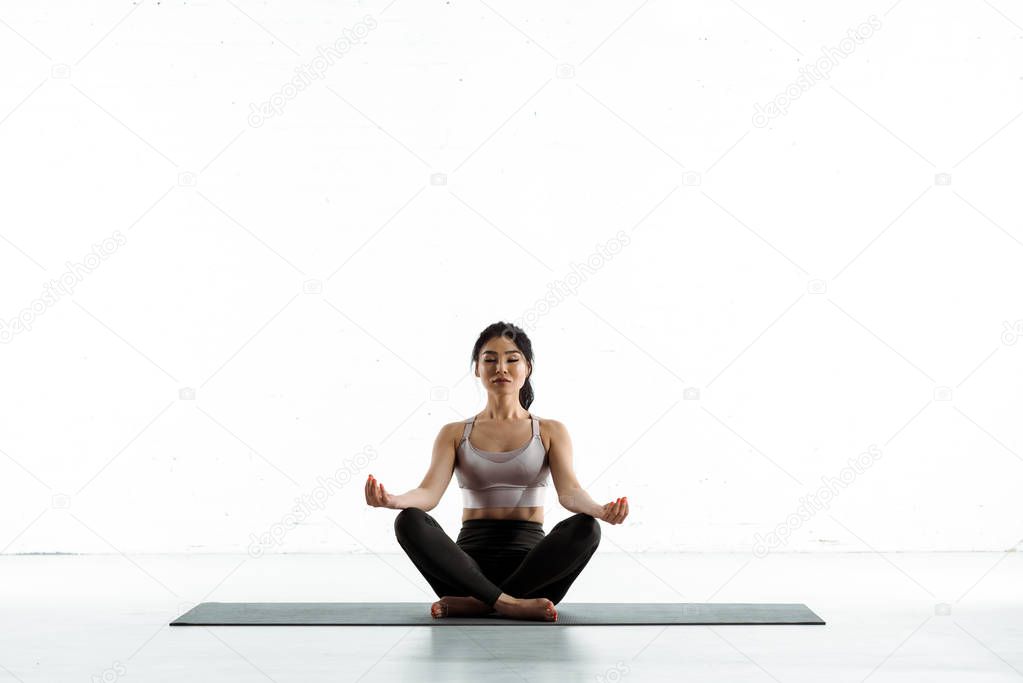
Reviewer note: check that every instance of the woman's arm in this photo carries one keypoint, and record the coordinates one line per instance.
(416, 498)
(571, 494)
(578, 500)
(427, 495)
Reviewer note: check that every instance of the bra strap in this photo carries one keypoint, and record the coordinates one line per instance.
(472, 420)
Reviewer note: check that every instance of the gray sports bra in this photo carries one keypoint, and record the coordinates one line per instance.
(506, 479)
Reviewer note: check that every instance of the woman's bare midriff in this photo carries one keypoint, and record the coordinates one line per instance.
(530, 514)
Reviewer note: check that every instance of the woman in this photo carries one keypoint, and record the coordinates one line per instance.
(502, 560)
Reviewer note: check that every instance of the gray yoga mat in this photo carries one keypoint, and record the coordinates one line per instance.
(418, 614)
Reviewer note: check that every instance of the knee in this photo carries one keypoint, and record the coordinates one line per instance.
(407, 519)
(586, 528)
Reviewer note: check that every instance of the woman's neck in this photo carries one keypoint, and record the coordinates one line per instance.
(504, 409)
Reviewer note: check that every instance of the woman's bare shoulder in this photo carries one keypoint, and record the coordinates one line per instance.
(549, 425)
(452, 431)
(454, 427)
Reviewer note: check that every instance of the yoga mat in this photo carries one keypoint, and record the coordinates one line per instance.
(418, 614)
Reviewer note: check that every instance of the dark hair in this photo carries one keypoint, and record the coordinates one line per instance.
(517, 336)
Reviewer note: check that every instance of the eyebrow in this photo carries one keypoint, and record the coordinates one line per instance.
(512, 351)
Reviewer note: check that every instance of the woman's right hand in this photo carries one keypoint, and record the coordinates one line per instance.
(376, 495)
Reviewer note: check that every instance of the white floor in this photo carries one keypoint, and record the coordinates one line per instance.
(104, 618)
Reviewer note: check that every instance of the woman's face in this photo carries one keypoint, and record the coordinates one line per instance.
(501, 359)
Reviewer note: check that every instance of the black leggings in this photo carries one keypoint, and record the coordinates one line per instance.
(494, 556)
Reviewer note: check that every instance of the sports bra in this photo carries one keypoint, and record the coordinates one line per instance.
(505, 479)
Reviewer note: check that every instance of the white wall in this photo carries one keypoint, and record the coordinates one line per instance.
(809, 278)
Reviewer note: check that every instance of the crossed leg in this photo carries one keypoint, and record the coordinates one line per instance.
(546, 571)
(550, 567)
(447, 568)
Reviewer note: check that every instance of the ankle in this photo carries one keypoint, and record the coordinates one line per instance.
(504, 600)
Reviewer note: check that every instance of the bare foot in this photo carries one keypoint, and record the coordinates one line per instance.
(459, 606)
(537, 609)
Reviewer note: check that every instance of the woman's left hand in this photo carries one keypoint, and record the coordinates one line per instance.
(616, 512)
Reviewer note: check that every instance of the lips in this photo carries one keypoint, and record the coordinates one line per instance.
(502, 381)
